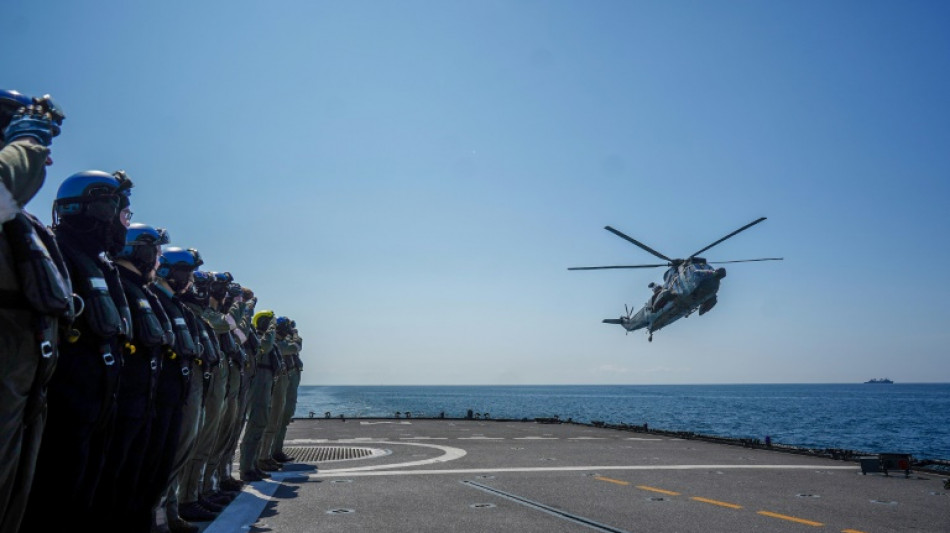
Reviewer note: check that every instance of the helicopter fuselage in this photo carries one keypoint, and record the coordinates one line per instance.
(689, 285)
(686, 288)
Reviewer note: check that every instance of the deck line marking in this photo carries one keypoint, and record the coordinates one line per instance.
(661, 491)
(609, 480)
(246, 508)
(716, 502)
(450, 454)
(570, 517)
(851, 531)
(368, 470)
(791, 518)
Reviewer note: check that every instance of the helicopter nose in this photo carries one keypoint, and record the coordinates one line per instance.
(720, 273)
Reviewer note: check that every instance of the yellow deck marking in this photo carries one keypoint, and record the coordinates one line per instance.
(791, 519)
(716, 502)
(661, 491)
(607, 479)
(851, 531)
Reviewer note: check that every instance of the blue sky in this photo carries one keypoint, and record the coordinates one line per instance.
(410, 180)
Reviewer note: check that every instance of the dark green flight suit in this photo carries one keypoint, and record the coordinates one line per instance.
(24, 373)
(259, 402)
(294, 368)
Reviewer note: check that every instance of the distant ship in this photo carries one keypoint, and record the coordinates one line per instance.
(884, 381)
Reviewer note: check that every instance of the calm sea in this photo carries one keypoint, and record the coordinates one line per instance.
(902, 418)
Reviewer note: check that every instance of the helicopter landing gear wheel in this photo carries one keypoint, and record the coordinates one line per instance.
(650, 338)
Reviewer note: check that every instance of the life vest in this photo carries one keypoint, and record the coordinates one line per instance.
(184, 339)
(147, 329)
(41, 272)
(106, 311)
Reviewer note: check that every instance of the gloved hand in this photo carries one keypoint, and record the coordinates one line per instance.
(267, 340)
(237, 311)
(32, 121)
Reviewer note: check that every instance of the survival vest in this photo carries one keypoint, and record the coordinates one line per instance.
(44, 283)
(106, 315)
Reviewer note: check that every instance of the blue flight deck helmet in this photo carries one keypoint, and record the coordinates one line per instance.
(142, 246)
(283, 326)
(94, 193)
(220, 281)
(202, 278)
(174, 258)
(202, 286)
(144, 235)
(176, 265)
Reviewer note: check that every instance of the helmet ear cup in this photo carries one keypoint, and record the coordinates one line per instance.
(163, 271)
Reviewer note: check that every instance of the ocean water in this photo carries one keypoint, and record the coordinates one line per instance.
(901, 418)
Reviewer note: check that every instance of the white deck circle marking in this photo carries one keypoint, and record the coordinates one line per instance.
(450, 454)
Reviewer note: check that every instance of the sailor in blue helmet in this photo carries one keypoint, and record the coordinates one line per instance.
(91, 216)
(151, 340)
(35, 295)
(175, 277)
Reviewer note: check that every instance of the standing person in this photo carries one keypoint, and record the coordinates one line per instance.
(284, 343)
(247, 342)
(259, 397)
(294, 368)
(215, 364)
(175, 276)
(29, 319)
(142, 357)
(224, 327)
(91, 215)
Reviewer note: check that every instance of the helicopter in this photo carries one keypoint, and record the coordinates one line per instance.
(689, 285)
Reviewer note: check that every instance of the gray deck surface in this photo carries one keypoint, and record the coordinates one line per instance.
(463, 476)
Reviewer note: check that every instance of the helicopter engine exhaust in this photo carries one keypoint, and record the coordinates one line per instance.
(720, 273)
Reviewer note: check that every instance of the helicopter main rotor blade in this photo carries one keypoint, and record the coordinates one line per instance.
(638, 243)
(747, 260)
(743, 228)
(617, 266)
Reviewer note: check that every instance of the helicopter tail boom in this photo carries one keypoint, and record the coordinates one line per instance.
(627, 323)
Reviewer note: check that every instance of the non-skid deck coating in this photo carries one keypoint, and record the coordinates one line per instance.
(461, 476)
